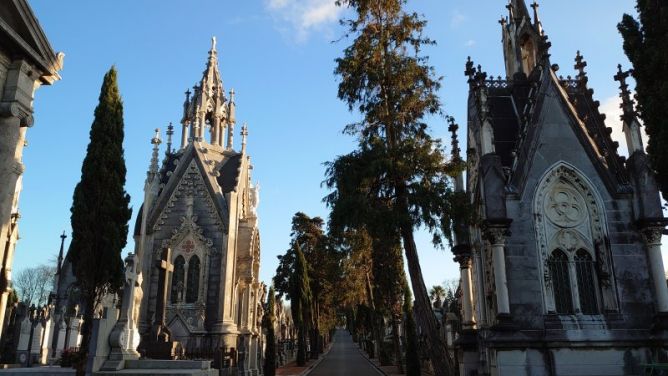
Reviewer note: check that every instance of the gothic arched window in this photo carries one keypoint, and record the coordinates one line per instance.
(178, 279)
(584, 270)
(193, 280)
(561, 282)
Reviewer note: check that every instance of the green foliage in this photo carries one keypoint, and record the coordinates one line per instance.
(268, 323)
(410, 331)
(100, 211)
(437, 293)
(398, 176)
(645, 44)
(300, 301)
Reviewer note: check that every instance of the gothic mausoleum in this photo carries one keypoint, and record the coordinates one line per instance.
(563, 274)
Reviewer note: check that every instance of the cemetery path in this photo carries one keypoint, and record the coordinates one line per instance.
(344, 359)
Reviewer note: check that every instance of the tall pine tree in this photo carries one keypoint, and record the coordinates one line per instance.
(100, 209)
(646, 45)
(385, 76)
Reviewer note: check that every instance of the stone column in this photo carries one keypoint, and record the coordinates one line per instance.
(652, 237)
(496, 234)
(184, 135)
(464, 260)
(15, 115)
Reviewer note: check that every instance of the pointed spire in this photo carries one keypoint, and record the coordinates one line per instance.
(170, 132)
(60, 253)
(244, 136)
(517, 11)
(536, 20)
(627, 104)
(580, 65)
(155, 141)
(456, 157)
(631, 125)
(231, 119)
(452, 128)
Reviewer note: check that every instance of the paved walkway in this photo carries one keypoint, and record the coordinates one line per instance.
(344, 359)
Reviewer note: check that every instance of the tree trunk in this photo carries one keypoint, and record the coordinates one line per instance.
(440, 359)
(397, 344)
(86, 333)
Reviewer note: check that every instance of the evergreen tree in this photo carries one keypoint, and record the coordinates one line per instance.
(100, 208)
(300, 301)
(385, 78)
(269, 321)
(646, 45)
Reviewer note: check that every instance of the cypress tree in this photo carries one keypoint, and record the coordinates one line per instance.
(100, 208)
(270, 349)
(412, 357)
(646, 45)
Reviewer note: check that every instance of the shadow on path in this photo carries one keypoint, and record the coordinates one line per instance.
(344, 359)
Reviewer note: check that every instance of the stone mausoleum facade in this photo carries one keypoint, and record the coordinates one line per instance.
(563, 273)
(198, 226)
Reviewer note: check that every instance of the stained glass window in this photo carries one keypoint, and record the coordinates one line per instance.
(561, 282)
(584, 269)
(178, 279)
(193, 280)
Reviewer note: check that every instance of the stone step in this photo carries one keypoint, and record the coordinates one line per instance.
(167, 364)
(170, 372)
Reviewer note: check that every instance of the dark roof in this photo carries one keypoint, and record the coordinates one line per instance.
(505, 123)
(228, 174)
(138, 220)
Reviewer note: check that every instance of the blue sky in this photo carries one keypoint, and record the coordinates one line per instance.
(278, 55)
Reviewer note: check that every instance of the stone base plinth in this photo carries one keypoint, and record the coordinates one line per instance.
(164, 367)
(170, 350)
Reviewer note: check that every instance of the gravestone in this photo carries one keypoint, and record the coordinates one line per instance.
(158, 344)
(22, 351)
(124, 336)
(99, 350)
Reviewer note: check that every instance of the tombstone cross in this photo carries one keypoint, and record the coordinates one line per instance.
(165, 266)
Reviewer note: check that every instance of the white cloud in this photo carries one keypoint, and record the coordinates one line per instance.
(457, 19)
(303, 17)
(469, 43)
(610, 107)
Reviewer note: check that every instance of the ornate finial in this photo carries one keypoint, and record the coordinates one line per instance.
(153, 169)
(452, 128)
(470, 70)
(627, 104)
(580, 65)
(213, 43)
(511, 12)
(170, 132)
(503, 21)
(244, 136)
(231, 111)
(536, 19)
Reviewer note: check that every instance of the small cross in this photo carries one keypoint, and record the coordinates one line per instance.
(535, 6)
(165, 263)
(621, 76)
(511, 12)
(580, 65)
(188, 92)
